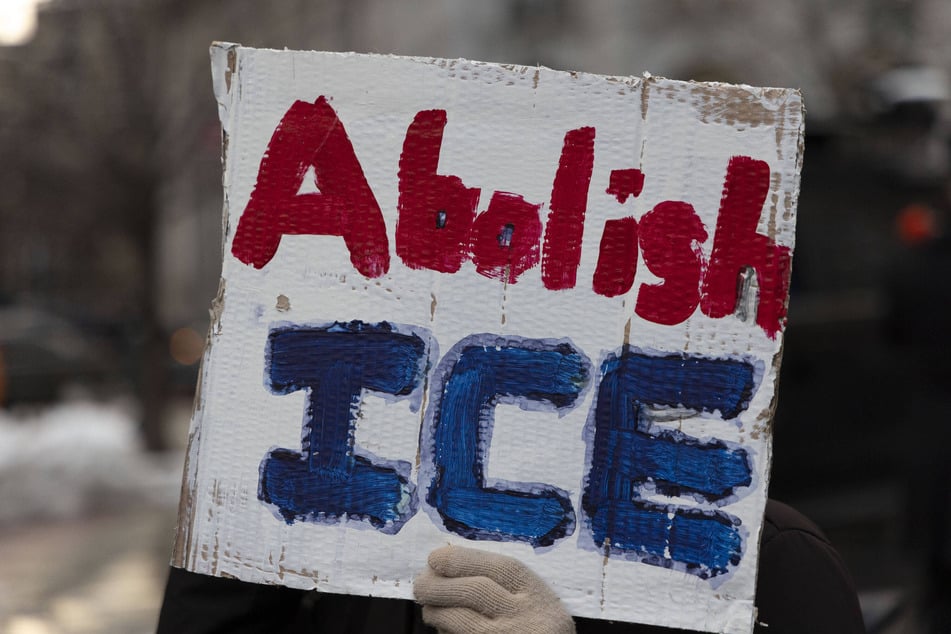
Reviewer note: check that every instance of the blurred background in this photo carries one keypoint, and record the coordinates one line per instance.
(110, 229)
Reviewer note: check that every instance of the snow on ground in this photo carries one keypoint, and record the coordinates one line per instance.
(76, 457)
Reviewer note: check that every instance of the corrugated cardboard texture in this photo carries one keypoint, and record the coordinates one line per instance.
(505, 134)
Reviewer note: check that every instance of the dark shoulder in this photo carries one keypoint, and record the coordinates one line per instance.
(803, 583)
(780, 518)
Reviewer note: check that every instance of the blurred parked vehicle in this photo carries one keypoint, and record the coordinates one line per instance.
(42, 353)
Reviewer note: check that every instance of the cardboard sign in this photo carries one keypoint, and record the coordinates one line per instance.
(529, 311)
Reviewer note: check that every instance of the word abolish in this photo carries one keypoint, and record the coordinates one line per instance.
(438, 227)
(330, 478)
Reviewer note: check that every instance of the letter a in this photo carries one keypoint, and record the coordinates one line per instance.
(311, 135)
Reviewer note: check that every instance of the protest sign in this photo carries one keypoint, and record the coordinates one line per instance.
(529, 311)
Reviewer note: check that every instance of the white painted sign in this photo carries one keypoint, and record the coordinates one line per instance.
(529, 311)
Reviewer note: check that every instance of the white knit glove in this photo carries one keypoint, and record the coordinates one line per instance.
(467, 591)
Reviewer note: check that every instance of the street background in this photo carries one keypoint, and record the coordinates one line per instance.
(110, 229)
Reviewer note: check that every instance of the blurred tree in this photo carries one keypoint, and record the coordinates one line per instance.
(83, 140)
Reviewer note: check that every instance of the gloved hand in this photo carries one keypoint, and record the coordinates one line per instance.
(468, 591)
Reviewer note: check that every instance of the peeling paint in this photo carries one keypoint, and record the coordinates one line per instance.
(281, 570)
(645, 96)
(768, 412)
(187, 506)
(232, 65)
(214, 314)
(747, 295)
(775, 186)
(734, 106)
(214, 557)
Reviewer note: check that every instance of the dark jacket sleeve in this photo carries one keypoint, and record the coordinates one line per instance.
(199, 604)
